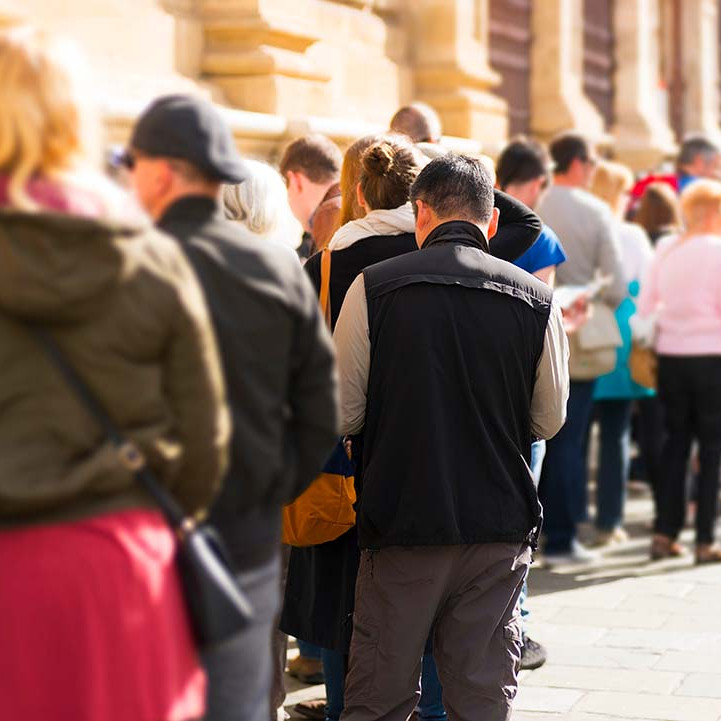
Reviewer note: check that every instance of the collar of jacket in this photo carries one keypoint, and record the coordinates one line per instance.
(457, 231)
(196, 208)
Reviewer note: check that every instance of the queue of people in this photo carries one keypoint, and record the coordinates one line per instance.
(472, 323)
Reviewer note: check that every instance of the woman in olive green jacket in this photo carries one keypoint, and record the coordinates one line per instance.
(93, 625)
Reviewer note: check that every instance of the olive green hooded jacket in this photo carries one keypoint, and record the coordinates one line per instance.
(126, 309)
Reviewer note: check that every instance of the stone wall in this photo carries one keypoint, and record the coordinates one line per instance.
(285, 67)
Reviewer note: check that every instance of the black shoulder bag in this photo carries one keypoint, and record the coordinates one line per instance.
(217, 607)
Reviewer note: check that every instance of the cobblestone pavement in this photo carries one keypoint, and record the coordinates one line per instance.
(627, 639)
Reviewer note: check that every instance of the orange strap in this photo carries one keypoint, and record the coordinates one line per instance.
(325, 284)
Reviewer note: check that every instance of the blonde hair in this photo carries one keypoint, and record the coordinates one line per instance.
(611, 181)
(44, 122)
(350, 173)
(260, 203)
(699, 200)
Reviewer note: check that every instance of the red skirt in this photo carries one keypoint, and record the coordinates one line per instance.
(93, 625)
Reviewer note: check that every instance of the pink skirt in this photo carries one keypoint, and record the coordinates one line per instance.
(93, 625)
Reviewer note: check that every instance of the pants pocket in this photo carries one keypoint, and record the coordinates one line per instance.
(510, 656)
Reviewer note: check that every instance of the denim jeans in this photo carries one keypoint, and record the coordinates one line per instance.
(430, 707)
(614, 417)
(334, 669)
(538, 454)
(563, 488)
(308, 650)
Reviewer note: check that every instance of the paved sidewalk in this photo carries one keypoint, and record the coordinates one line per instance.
(627, 639)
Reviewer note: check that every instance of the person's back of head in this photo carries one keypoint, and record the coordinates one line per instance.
(181, 146)
(611, 183)
(699, 157)
(387, 171)
(573, 160)
(350, 173)
(316, 156)
(418, 121)
(658, 210)
(43, 115)
(522, 170)
(260, 203)
(310, 166)
(453, 187)
(701, 207)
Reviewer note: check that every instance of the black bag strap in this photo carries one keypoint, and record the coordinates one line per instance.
(128, 453)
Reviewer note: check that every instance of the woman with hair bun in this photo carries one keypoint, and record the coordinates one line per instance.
(320, 591)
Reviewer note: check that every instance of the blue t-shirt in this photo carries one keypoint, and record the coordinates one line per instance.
(547, 250)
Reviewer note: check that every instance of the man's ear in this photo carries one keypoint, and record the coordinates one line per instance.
(164, 176)
(493, 223)
(424, 221)
(295, 180)
(422, 214)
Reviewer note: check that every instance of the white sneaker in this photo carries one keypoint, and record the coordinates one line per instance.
(578, 555)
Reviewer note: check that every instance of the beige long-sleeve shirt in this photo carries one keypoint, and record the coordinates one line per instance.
(352, 339)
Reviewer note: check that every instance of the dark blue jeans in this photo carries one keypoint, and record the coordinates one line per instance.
(334, 669)
(430, 707)
(308, 650)
(563, 490)
(614, 418)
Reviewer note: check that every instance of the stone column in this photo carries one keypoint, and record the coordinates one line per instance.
(701, 66)
(557, 99)
(253, 51)
(643, 136)
(451, 69)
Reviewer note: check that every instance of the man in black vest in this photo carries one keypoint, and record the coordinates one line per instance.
(452, 361)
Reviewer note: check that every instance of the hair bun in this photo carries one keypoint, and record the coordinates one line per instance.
(378, 159)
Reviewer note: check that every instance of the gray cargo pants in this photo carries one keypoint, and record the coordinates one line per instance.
(468, 597)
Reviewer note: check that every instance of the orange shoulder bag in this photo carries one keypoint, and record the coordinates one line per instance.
(324, 511)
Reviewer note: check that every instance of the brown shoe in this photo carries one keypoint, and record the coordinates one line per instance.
(665, 547)
(311, 709)
(708, 553)
(306, 670)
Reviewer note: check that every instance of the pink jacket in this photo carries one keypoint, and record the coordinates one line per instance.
(683, 287)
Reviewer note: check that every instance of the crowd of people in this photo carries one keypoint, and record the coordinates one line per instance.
(422, 339)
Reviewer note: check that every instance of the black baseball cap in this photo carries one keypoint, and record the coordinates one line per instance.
(191, 129)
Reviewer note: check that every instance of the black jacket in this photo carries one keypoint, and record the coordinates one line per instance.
(518, 229)
(455, 339)
(320, 590)
(278, 362)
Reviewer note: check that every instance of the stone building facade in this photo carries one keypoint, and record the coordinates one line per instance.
(634, 74)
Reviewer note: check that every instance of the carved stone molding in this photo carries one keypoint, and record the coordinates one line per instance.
(643, 136)
(557, 99)
(451, 69)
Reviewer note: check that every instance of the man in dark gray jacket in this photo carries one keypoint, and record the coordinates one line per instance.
(279, 370)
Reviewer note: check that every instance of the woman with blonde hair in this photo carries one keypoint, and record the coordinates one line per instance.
(615, 392)
(350, 173)
(682, 291)
(94, 626)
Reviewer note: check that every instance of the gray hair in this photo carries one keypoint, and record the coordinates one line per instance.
(260, 203)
